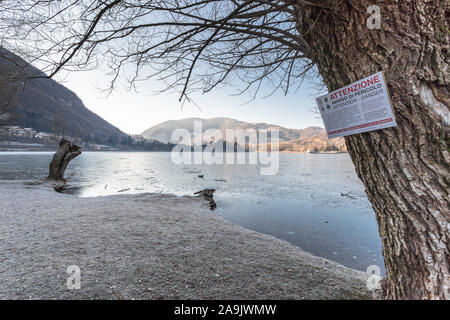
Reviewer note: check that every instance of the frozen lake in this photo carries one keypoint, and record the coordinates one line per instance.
(302, 204)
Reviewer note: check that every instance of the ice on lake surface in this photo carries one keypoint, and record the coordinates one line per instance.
(302, 204)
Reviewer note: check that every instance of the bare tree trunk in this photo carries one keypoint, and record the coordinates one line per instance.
(404, 169)
(66, 152)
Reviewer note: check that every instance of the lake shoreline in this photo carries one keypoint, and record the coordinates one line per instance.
(150, 246)
(4, 150)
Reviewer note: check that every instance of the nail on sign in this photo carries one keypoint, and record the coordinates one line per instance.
(359, 107)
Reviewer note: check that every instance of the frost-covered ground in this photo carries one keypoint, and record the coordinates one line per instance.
(150, 246)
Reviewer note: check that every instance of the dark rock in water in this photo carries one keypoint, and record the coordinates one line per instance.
(201, 176)
(208, 194)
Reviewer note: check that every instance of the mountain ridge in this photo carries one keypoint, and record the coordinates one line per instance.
(312, 138)
(41, 102)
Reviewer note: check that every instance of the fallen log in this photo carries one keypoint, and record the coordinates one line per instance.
(208, 194)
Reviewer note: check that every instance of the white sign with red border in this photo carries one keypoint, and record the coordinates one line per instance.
(359, 107)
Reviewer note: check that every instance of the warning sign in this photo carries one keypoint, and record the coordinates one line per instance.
(359, 107)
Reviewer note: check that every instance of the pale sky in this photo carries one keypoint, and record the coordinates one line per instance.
(135, 112)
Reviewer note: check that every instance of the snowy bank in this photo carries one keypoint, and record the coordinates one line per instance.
(150, 246)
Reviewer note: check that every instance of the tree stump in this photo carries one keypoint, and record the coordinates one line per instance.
(66, 152)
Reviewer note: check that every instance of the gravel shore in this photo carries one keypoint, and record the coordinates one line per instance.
(150, 246)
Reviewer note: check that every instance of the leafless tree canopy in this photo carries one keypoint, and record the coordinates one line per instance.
(188, 44)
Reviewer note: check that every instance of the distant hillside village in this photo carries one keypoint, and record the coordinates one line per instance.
(315, 144)
(27, 139)
(16, 131)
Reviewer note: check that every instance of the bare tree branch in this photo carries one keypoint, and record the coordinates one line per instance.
(190, 44)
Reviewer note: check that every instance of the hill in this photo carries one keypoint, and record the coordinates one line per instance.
(43, 103)
(295, 140)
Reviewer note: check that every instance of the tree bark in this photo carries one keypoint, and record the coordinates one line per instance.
(405, 170)
(66, 152)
